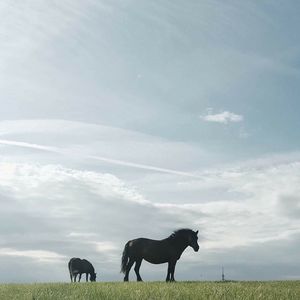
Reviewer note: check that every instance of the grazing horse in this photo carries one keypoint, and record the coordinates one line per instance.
(167, 250)
(81, 266)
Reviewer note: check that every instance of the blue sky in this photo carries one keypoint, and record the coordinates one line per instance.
(185, 112)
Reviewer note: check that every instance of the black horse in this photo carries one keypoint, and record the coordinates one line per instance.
(81, 266)
(167, 250)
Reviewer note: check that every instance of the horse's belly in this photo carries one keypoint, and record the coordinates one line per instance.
(156, 253)
(156, 260)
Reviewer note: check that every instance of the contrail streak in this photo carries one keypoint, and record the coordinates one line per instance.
(142, 166)
(99, 158)
(29, 145)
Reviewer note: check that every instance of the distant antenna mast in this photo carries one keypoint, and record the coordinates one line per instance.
(223, 275)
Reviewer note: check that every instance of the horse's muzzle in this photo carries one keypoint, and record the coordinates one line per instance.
(196, 249)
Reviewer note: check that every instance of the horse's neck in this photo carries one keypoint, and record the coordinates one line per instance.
(180, 245)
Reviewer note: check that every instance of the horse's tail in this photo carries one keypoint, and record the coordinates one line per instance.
(70, 271)
(125, 257)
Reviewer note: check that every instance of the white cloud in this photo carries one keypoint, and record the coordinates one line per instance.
(87, 211)
(94, 214)
(224, 117)
(105, 246)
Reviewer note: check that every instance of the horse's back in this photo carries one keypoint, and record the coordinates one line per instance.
(136, 243)
(87, 265)
(141, 242)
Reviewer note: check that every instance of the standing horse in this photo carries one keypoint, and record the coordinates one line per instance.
(81, 266)
(167, 250)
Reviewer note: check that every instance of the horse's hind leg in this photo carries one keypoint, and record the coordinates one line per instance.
(128, 267)
(137, 269)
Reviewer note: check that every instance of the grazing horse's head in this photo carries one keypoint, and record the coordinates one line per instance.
(93, 276)
(193, 240)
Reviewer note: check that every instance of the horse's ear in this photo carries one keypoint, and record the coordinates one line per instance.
(196, 232)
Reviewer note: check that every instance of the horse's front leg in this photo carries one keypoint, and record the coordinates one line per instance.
(173, 270)
(79, 277)
(169, 272)
(87, 277)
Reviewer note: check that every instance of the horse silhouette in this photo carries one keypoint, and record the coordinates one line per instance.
(167, 250)
(81, 266)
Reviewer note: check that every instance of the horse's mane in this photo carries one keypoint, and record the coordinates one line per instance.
(179, 232)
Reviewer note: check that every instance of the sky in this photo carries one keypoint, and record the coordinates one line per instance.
(131, 118)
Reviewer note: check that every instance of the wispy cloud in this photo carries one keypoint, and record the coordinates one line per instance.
(100, 158)
(224, 117)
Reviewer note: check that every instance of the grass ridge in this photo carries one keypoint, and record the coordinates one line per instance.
(202, 290)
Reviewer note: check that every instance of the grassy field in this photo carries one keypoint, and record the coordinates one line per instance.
(277, 290)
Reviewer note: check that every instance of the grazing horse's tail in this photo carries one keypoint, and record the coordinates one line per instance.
(70, 271)
(124, 258)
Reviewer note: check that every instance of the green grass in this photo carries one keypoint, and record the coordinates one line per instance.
(277, 290)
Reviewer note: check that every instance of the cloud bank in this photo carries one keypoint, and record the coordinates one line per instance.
(51, 212)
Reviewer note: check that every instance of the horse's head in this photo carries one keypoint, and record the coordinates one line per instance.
(93, 276)
(193, 240)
